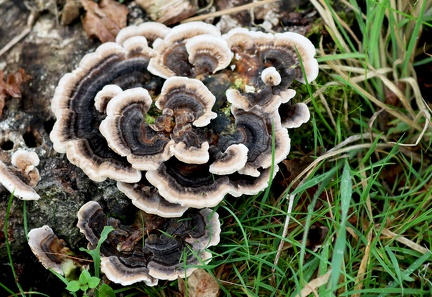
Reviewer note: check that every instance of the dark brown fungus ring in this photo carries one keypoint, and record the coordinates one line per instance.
(128, 135)
(50, 250)
(293, 116)
(189, 99)
(265, 59)
(147, 197)
(171, 246)
(172, 57)
(186, 239)
(256, 132)
(254, 128)
(304, 47)
(193, 185)
(189, 103)
(150, 30)
(76, 130)
(265, 99)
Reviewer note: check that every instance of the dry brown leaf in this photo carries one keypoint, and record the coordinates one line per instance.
(104, 20)
(199, 284)
(314, 284)
(70, 12)
(11, 86)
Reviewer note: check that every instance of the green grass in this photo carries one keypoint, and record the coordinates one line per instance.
(370, 190)
(6, 234)
(368, 186)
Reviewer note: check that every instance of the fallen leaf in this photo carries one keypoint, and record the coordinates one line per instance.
(314, 284)
(199, 284)
(70, 12)
(104, 20)
(11, 86)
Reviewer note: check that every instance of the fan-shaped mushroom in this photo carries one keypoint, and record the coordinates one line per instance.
(75, 132)
(168, 244)
(186, 115)
(22, 176)
(172, 56)
(50, 250)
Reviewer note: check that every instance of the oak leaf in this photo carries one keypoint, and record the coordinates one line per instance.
(199, 284)
(104, 20)
(11, 86)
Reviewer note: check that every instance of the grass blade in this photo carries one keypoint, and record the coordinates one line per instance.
(340, 245)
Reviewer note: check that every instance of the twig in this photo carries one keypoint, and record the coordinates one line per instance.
(228, 11)
(405, 241)
(284, 232)
(354, 138)
(30, 22)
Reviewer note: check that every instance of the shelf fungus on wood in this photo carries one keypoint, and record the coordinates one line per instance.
(161, 249)
(173, 57)
(51, 251)
(183, 115)
(294, 115)
(146, 197)
(22, 175)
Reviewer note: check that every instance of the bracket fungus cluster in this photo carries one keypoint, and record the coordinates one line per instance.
(179, 117)
(170, 248)
(182, 116)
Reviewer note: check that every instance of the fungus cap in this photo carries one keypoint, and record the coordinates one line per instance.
(25, 160)
(191, 154)
(171, 53)
(121, 273)
(73, 106)
(206, 235)
(49, 250)
(150, 30)
(105, 95)
(233, 159)
(127, 134)
(194, 186)
(162, 255)
(180, 93)
(10, 180)
(270, 76)
(208, 53)
(146, 197)
(305, 48)
(295, 115)
(203, 128)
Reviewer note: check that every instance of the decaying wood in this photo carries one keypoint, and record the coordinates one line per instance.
(169, 12)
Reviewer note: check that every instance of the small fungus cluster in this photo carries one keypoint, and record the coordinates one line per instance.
(164, 255)
(22, 175)
(179, 117)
